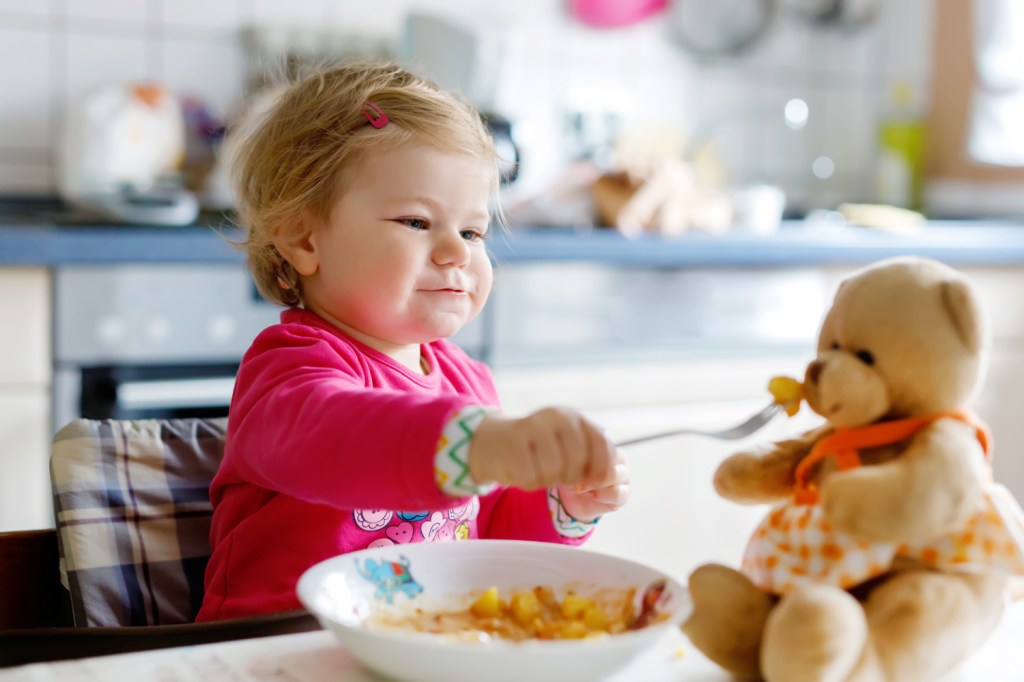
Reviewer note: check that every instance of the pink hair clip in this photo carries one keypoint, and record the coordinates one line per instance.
(378, 119)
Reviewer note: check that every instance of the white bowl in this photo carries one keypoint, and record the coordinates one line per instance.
(342, 592)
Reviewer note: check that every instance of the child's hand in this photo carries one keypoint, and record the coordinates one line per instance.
(553, 445)
(588, 500)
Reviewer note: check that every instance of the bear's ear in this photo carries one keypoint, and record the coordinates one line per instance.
(962, 308)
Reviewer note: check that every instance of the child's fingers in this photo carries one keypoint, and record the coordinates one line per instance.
(597, 502)
(612, 497)
(547, 457)
(601, 456)
(618, 474)
(553, 445)
(573, 439)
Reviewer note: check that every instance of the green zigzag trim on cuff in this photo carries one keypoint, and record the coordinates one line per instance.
(565, 524)
(451, 464)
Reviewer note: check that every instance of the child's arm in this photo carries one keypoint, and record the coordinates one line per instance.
(305, 422)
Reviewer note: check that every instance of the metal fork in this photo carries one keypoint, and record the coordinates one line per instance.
(732, 433)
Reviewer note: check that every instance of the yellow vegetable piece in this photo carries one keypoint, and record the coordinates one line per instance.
(487, 605)
(787, 392)
(596, 619)
(574, 606)
(525, 607)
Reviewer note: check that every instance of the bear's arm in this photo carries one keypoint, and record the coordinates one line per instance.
(932, 488)
(766, 473)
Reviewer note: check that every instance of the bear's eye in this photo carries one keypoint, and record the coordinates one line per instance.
(866, 357)
(835, 345)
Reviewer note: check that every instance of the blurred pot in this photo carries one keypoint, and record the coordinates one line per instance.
(614, 13)
(845, 13)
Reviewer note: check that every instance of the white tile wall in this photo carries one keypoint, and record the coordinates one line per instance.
(108, 12)
(93, 60)
(200, 14)
(27, 87)
(39, 8)
(55, 50)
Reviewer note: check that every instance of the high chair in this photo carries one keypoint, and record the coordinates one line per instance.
(123, 569)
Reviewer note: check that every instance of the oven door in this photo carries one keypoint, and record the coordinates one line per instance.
(155, 391)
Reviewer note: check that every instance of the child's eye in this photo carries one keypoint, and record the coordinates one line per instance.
(473, 235)
(415, 223)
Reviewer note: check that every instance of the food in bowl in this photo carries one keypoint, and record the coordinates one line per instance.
(535, 613)
(351, 593)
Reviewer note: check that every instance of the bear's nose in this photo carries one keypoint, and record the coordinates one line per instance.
(814, 371)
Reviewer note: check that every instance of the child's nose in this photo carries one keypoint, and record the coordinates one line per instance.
(451, 249)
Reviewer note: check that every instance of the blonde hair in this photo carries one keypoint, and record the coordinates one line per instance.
(290, 156)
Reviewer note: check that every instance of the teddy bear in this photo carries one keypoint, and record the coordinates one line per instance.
(888, 549)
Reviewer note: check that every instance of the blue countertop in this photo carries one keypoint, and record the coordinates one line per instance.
(796, 243)
(24, 242)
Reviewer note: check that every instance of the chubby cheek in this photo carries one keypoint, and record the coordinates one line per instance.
(846, 391)
(484, 275)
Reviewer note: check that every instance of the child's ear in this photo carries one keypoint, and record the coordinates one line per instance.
(298, 246)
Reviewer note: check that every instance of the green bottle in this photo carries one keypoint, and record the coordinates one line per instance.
(901, 139)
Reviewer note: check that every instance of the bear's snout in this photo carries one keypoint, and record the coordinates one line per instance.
(814, 371)
(843, 390)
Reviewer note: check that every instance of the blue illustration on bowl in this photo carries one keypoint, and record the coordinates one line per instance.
(390, 577)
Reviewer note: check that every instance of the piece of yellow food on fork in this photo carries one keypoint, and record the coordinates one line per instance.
(787, 392)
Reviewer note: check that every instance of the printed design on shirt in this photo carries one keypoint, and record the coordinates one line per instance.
(445, 533)
(440, 527)
(451, 462)
(372, 519)
(390, 577)
(465, 512)
(565, 524)
(449, 525)
(432, 526)
(401, 533)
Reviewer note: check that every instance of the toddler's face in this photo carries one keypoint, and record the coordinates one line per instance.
(401, 258)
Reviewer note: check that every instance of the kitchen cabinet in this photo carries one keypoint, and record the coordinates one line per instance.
(25, 399)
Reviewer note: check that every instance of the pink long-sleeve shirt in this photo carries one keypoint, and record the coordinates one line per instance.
(330, 449)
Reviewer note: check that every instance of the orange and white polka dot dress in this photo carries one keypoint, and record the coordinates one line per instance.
(795, 544)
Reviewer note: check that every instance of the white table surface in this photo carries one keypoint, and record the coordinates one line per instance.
(316, 657)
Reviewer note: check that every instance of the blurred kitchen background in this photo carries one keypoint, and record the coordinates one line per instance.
(826, 99)
(750, 153)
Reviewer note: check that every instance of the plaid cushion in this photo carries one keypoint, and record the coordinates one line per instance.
(132, 507)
